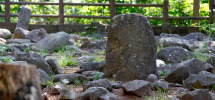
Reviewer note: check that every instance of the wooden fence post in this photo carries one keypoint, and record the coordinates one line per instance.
(61, 11)
(7, 10)
(166, 25)
(112, 8)
(211, 12)
(196, 10)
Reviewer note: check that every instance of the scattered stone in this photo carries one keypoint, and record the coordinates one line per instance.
(169, 41)
(152, 78)
(160, 85)
(85, 59)
(52, 41)
(2, 41)
(93, 93)
(201, 80)
(92, 74)
(211, 60)
(208, 67)
(137, 87)
(129, 35)
(20, 62)
(198, 94)
(108, 96)
(74, 37)
(67, 94)
(43, 76)
(97, 44)
(54, 65)
(70, 77)
(181, 71)
(19, 41)
(36, 35)
(24, 18)
(197, 36)
(98, 83)
(101, 66)
(180, 92)
(160, 63)
(117, 85)
(36, 59)
(90, 66)
(169, 35)
(174, 54)
(20, 33)
(5, 33)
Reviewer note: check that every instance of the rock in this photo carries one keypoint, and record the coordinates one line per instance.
(152, 78)
(169, 35)
(169, 41)
(160, 63)
(24, 18)
(197, 36)
(97, 44)
(21, 47)
(174, 54)
(70, 77)
(201, 80)
(85, 59)
(36, 35)
(207, 47)
(36, 59)
(5, 33)
(90, 66)
(199, 94)
(73, 48)
(20, 33)
(92, 74)
(108, 96)
(67, 94)
(101, 66)
(43, 76)
(174, 98)
(137, 87)
(20, 62)
(181, 71)
(117, 85)
(180, 92)
(93, 93)
(19, 41)
(98, 83)
(54, 65)
(57, 88)
(2, 41)
(52, 41)
(160, 85)
(208, 67)
(211, 60)
(74, 37)
(131, 48)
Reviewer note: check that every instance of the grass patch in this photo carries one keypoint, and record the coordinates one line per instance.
(201, 57)
(159, 47)
(66, 60)
(157, 96)
(98, 58)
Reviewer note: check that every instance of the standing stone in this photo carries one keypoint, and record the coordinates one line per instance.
(131, 48)
(19, 82)
(24, 18)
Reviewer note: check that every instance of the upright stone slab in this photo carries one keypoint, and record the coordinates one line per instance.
(24, 18)
(131, 48)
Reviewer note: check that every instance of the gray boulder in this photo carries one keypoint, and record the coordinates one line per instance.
(43, 76)
(36, 35)
(91, 75)
(97, 44)
(85, 59)
(5, 33)
(174, 54)
(52, 41)
(170, 41)
(211, 60)
(169, 35)
(160, 85)
(117, 84)
(35, 59)
(70, 77)
(131, 48)
(137, 87)
(201, 80)
(90, 66)
(24, 18)
(67, 94)
(19, 41)
(98, 83)
(199, 94)
(197, 36)
(152, 78)
(181, 71)
(94, 93)
(54, 65)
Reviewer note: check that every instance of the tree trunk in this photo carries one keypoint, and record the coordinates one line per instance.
(19, 82)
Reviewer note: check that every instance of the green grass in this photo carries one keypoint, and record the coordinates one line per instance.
(66, 60)
(43, 52)
(98, 58)
(51, 82)
(159, 47)
(157, 96)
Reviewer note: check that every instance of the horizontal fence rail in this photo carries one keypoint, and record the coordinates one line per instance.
(112, 6)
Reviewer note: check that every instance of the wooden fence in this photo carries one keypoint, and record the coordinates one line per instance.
(112, 6)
